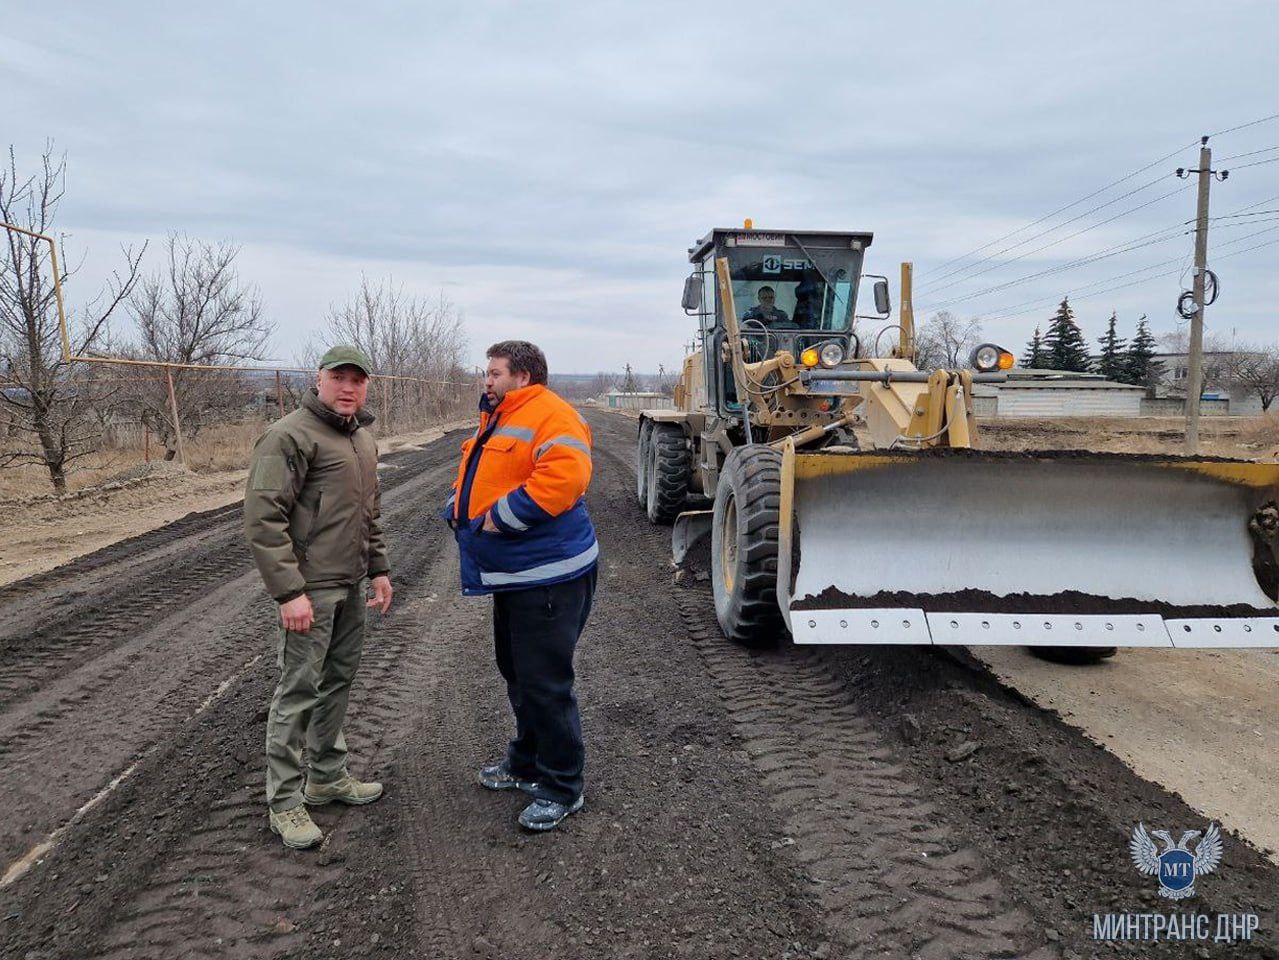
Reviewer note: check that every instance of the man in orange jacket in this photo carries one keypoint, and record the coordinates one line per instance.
(525, 537)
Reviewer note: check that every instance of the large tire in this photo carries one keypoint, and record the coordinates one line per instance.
(669, 473)
(643, 465)
(744, 546)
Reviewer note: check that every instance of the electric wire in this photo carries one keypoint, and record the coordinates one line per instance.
(1063, 209)
(1096, 193)
(1252, 153)
(1138, 243)
(1118, 249)
(1032, 305)
(1244, 126)
(958, 274)
(1053, 243)
(1255, 163)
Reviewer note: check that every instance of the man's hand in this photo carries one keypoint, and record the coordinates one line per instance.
(381, 593)
(489, 525)
(297, 615)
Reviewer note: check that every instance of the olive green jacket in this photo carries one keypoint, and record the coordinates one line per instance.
(311, 507)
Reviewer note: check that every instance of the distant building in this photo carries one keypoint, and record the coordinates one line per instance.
(1175, 373)
(637, 400)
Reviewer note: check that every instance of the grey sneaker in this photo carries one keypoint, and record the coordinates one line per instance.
(296, 828)
(347, 790)
(498, 776)
(546, 814)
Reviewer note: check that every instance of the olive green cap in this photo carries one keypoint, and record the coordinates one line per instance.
(345, 355)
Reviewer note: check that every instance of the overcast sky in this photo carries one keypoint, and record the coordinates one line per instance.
(547, 165)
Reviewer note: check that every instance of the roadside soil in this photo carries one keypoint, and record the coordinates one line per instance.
(1204, 723)
(38, 533)
(1239, 438)
(789, 803)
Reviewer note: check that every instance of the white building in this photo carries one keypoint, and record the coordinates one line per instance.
(1057, 393)
(637, 400)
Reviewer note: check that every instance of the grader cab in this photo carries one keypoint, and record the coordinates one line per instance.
(923, 537)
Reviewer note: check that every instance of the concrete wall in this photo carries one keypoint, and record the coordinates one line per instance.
(624, 401)
(1059, 402)
(1176, 407)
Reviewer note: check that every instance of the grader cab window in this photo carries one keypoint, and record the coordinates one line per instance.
(784, 292)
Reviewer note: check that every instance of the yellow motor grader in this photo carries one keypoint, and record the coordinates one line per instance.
(924, 538)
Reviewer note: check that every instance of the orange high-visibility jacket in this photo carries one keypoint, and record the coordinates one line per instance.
(527, 466)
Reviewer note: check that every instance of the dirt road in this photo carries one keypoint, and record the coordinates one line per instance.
(795, 803)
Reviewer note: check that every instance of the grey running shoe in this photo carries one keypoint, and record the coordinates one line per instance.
(498, 776)
(546, 814)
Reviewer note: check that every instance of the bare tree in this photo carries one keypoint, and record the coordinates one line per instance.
(1217, 367)
(1255, 368)
(196, 311)
(49, 401)
(405, 336)
(945, 341)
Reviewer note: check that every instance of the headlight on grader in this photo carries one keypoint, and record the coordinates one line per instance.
(988, 358)
(810, 357)
(831, 354)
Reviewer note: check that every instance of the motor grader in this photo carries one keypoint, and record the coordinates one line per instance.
(921, 536)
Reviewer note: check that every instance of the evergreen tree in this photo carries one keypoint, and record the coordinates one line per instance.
(1113, 362)
(1064, 342)
(1035, 356)
(1140, 366)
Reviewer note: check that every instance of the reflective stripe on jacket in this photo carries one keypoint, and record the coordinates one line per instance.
(527, 466)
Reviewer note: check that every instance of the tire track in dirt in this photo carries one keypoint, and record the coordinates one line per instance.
(242, 879)
(89, 715)
(887, 870)
(663, 862)
(58, 624)
(884, 864)
(223, 886)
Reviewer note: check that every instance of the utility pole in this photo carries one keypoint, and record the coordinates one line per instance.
(1194, 380)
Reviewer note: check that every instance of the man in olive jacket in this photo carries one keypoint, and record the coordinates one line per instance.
(311, 517)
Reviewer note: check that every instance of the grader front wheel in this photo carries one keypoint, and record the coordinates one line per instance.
(744, 546)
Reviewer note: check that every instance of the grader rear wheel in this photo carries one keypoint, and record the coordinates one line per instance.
(643, 455)
(669, 473)
(744, 546)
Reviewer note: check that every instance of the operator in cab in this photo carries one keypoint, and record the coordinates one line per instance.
(766, 310)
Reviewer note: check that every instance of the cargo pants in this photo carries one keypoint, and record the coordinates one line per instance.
(316, 670)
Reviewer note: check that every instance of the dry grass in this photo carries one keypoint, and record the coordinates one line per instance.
(217, 449)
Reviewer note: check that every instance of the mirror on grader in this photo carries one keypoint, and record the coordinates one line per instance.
(924, 537)
(692, 293)
(883, 305)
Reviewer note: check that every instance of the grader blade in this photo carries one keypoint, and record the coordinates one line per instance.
(1057, 549)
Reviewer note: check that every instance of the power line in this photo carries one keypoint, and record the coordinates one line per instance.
(1042, 233)
(1137, 243)
(1118, 249)
(1036, 303)
(1232, 216)
(1244, 126)
(1070, 236)
(1063, 209)
(1096, 193)
(1255, 163)
(1253, 153)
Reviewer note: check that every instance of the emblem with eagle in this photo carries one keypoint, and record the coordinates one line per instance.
(1176, 866)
